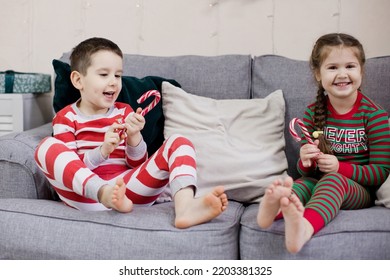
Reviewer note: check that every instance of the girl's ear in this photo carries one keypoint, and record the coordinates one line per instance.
(318, 76)
(75, 78)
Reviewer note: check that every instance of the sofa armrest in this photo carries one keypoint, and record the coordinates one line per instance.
(20, 176)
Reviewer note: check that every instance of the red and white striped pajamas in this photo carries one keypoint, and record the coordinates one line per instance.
(72, 162)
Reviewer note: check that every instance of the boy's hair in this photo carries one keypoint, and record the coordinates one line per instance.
(319, 53)
(80, 58)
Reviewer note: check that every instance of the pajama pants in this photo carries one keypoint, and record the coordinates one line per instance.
(173, 163)
(324, 198)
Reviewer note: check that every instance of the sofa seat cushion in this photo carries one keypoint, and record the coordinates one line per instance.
(353, 234)
(52, 230)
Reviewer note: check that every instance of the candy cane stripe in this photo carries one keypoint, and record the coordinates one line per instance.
(304, 130)
(146, 95)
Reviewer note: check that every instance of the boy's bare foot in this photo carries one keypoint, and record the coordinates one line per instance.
(192, 211)
(298, 229)
(115, 197)
(270, 204)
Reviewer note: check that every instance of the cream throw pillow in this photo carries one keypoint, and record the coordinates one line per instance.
(239, 143)
(383, 194)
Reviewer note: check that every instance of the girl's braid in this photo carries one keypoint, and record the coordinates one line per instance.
(320, 114)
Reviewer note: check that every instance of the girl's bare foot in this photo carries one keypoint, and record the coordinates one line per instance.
(115, 197)
(192, 211)
(270, 204)
(298, 229)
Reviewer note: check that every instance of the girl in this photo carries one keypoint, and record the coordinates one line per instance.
(349, 160)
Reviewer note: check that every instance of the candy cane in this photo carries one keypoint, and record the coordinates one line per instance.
(146, 95)
(143, 97)
(120, 131)
(295, 135)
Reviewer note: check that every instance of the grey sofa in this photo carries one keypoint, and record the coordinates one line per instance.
(34, 225)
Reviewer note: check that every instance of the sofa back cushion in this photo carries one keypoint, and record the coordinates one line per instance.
(295, 79)
(376, 81)
(219, 77)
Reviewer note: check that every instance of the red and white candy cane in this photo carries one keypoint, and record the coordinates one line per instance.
(302, 127)
(146, 95)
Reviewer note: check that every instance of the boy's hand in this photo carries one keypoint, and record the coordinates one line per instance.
(134, 123)
(111, 139)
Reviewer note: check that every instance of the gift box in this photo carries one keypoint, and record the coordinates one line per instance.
(18, 82)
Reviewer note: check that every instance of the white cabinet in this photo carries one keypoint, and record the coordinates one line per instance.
(23, 111)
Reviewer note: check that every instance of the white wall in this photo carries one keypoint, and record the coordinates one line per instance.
(34, 32)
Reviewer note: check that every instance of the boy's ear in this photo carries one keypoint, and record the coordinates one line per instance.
(75, 78)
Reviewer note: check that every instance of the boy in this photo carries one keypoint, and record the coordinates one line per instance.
(97, 158)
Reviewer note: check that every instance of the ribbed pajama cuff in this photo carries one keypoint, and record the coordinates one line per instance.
(182, 182)
(92, 187)
(314, 218)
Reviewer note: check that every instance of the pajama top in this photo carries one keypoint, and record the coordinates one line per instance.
(85, 134)
(360, 139)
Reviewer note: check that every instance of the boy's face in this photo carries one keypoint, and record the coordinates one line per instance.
(101, 85)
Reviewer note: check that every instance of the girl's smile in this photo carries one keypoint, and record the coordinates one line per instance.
(341, 76)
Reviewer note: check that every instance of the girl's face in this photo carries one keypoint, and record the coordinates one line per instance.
(341, 74)
(101, 85)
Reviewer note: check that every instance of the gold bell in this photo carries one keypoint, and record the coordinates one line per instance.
(317, 133)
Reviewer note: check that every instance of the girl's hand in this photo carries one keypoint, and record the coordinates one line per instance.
(308, 153)
(111, 139)
(134, 123)
(327, 163)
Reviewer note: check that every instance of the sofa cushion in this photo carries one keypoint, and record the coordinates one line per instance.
(220, 77)
(239, 143)
(132, 88)
(353, 234)
(17, 161)
(294, 78)
(376, 81)
(50, 230)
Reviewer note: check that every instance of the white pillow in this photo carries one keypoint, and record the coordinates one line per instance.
(383, 194)
(239, 143)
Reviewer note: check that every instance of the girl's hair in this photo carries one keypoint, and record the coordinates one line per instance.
(80, 59)
(320, 51)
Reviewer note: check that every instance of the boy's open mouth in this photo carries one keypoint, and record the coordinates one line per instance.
(109, 93)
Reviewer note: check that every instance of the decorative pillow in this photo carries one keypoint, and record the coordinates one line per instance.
(239, 142)
(383, 193)
(132, 88)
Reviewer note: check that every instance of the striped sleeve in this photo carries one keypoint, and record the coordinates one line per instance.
(134, 156)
